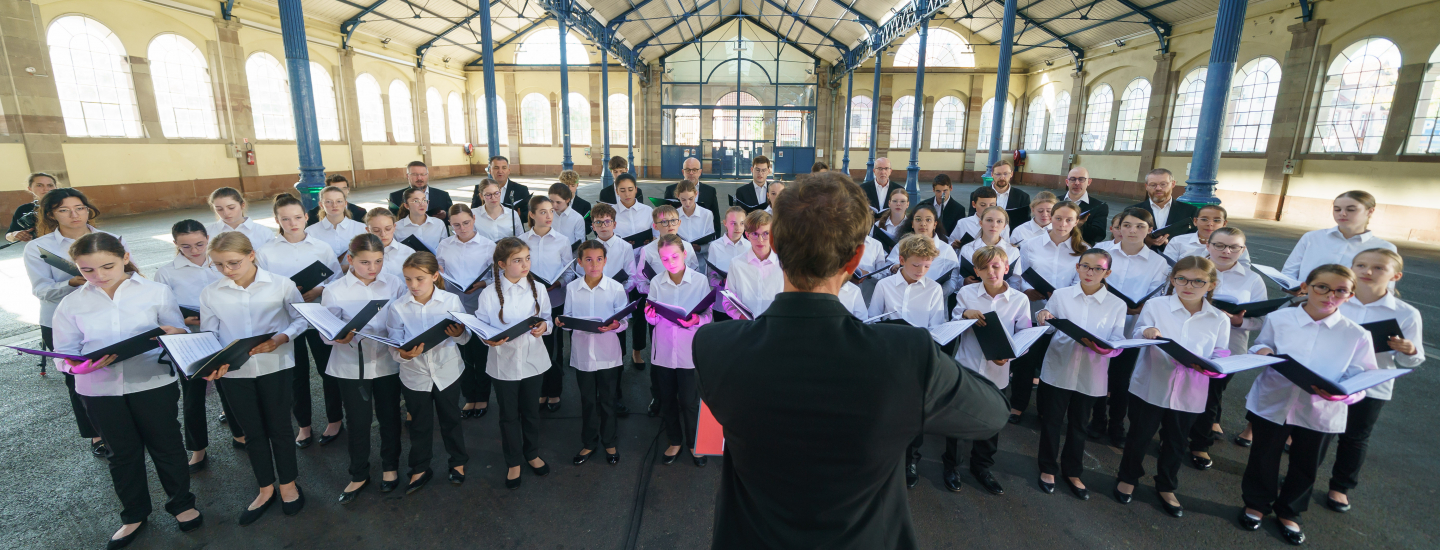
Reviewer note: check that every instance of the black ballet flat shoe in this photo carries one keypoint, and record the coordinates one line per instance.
(1248, 523)
(912, 475)
(621, 410)
(1295, 537)
(701, 461)
(1242, 441)
(199, 466)
(1117, 439)
(409, 425)
(387, 486)
(987, 480)
(466, 413)
(1201, 463)
(328, 439)
(223, 419)
(1047, 487)
(1123, 498)
(1174, 511)
(127, 539)
(612, 459)
(512, 484)
(419, 483)
(1335, 505)
(669, 459)
(249, 516)
(480, 412)
(553, 407)
(1095, 431)
(654, 409)
(639, 366)
(952, 481)
(188, 526)
(1287, 448)
(580, 458)
(1014, 419)
(456, 477)
(293, 507)
(1080, 492)
(237, 444)
(99, 450)
(542, 471)
(347, 497)
(305, 443)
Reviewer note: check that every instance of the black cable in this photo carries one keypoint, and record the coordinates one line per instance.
(642, 486)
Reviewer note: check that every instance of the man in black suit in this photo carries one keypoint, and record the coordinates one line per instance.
(1160, 186)
(517, 196)
(707, 198)
(879, 194)
(419, 176)
(1097, 214)
(820, 472)
(618, 166)
(753, 197)
(1016, 202)
(952, 211)
(356, 213)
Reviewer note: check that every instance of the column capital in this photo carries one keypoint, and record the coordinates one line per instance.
(1306, 26)
(1167, 58)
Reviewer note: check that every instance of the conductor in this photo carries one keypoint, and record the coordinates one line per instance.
(817, 406)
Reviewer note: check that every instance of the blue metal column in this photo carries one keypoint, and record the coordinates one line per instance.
(1002, 84)
(912, 172)
(566, 163)
(606, 180)
(849, 101)
(630, 120)
(1200, 185)
(487, 54)
(302, 102)
(874, 117)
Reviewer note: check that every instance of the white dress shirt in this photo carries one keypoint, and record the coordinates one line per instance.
(338, 236)
(1012, 255)
(523, 356)
(548, 253)
(186, 279)
(506, 224)
(395, 256)
(590, 352)
(437, 367)
(698, 225)
(891, 229)
(619, 256)
(874, 255)
(48, 284)
(1027, 230)
(1138, 274)
(762, 192)
(88, 320)
(1158, 379)
(1241, 285)
(259, 235)
(1389, 307)
(1328, 246)
(671, 342)
(630, 220)
(570, 224)
(921, 303)
(721, 251)
(1189, 244)
(1161, 213)
(944, 264)
(970, 225)
(1069, 364)
(1013, 309)
(650, 256)
(1055, 262)
(1003, 199)
(755, 282)
(345, 298)
(284, 258)
(465, 261)
(233, 313)
(429, 233)
(1333, 347)
(854, 300)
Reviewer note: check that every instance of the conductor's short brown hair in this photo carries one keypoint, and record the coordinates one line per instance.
(820, 221)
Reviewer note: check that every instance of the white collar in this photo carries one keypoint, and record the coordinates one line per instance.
(181, 262)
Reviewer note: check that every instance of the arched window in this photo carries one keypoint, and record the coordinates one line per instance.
(1425, 132)
(947, 130)
(944, 48)
(860, 112)
(1252, 105)
(92, 75)
(687, 126)
(1355, 103)
(484, 129)
(579, 120)
(1097, 119)
(1130, 128)
(327, 117)
(535, 120)
(1035, 124)
(435, 115)
(987, 119)
(1055, 140)
(789, 128)
(402, 114)
(182, 88)
(372, 109)
(902, 122)
(620, 122)
(1186, 120)
(456, 111)
(542, 47)
(269, 97)
(722, 122)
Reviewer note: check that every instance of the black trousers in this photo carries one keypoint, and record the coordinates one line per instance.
(474, 383)
(912, 451)
(718, 316)
(383, 407)
(519, 402)
(131, 425)
(1145, 420)
(1200, 431)
(309, 342)
(982, 452)
(597, 407)
(1023, 370)
(197, 428)
(1261, 488)
(1061, 408)
(679, 404)
(1351, 445)
(554, 379)
(262, 407)
(638, 328)
(426, 408)
(77, 406)
(1110, 410)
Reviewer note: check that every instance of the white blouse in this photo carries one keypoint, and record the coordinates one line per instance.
(755, 282)
(395, 256)
(921, 303)
(1069, 364)
(671, 343)
(48, 284)
(650, 256)
(854, 300)
(259, 235)
(523, 356)
(186, 279)
(1139, 274)
(590, 352)
(970, 225)
(873, 256)
(439, 366)
(698, 225)
(1333, 347)
(549, 253)
(285, 258)
(633, 219)
(1013, 309)
(345, 298)
(88, 320)
(721, 251)
(234, 313)
(891, 229)
(1050, 260)
(1241, 285)
(1189, 245)
(1012, 255)
(1158, 379)
(1026, 231)
(506, 224)
(464, 261)
(338, 236)
(429, 233)
(1329, 246)
(570, 224)
(1389, 307)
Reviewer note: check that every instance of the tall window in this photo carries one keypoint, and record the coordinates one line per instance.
(372, 109)
(1355, 103)
(1035, 124)
(860, 112)
(687, 126)
(402, 115)
(327, 117)
(1252, 105)
(789, 128)
(455, 108)
(944, 48)
(1425, 132)
(1097, 119)
(619, 119)
(92, 74)
(902, 122)
(182, 88)
(535, 120)
(1186, 120)
(1055, 140)
(269, 97)
(484, 129)
(435, 114)
(579, 120)
(947, 129)
(542, 47)
(1130, 128)
(752, 123)
(987, 119)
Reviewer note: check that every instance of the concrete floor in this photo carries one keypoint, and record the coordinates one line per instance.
(58, 496)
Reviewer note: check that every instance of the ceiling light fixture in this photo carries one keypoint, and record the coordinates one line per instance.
(384, 40)
(1119, 42)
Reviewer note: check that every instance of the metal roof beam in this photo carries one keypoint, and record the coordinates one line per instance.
(512, 38)
(420, 51)
(641, 46)
(901, 24)
(620, 19)
(869, 23)
(786, 11)
(1090, 27)
(349, 26)
(584, 21)
(1161, 28)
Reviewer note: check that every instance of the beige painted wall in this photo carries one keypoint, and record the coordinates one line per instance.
(14, 167)
(114, 163)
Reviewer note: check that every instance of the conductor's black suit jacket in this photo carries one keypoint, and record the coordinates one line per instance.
(818, 408)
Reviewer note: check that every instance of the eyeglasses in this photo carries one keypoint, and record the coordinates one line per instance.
(690, 169)
(602, 223)
(1192, 283)
(762, 235)
(1323, 289)
(1090, 269)
(1232, 248)
(494, 195)
(1076, 180)
(668, 222)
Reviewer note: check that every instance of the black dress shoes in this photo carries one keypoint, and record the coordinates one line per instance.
(99, 450)
(701, 461)
(912, 475)
(223, 419)
(669, 459)
(249, 516)
(1242, 441)
(387, 486)
(1295, 537)
(987, 480)
(1336, 505)
(236, 443)
(512, 484)
(542, 471)
(580, 458)
(127, 539)
(1080, 492)
(480, 412)
(1117, 439)
(952, 481)
(621, 410)
(346, 497)
(305, 443)
(639, 365)
(419, 483)
(456, 477)
(1014, 419)
(552, 407)
(654, 408)
(328, 439)
(188, 526)
(1047, 487)
(1095, 431)
(198, 466)
(1176, 511)
(293, 507)
(612, 459)
(1201, 463)
(1248, 523)
(1122, 498)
